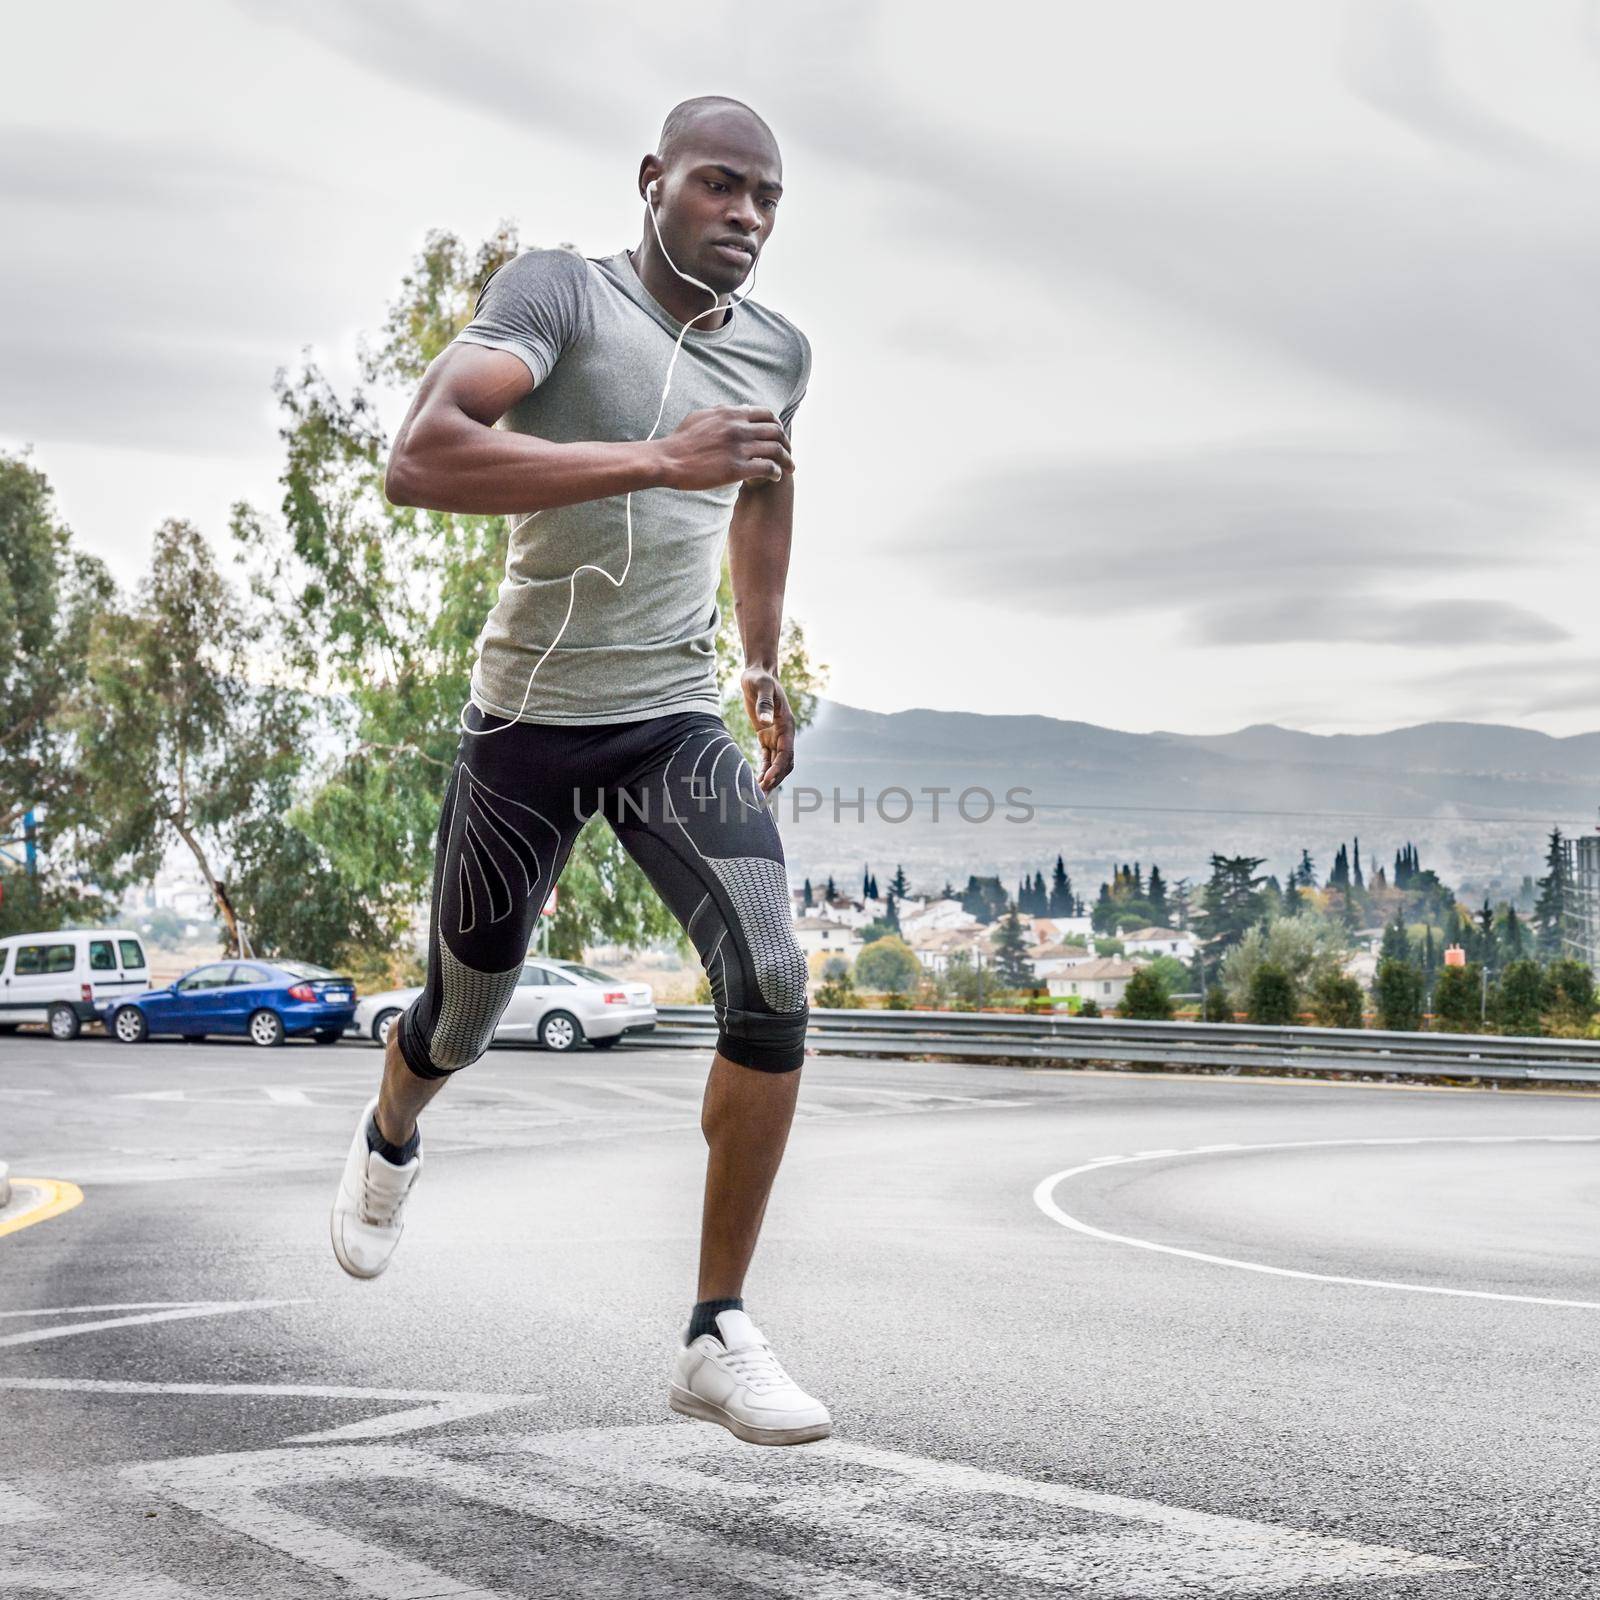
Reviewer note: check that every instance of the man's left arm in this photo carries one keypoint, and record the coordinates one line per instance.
(758, 564)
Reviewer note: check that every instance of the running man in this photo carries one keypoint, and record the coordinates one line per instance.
(594, 688)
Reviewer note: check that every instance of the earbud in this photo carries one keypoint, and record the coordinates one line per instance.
(650, 193)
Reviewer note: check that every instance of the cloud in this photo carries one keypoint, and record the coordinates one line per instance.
(1514, 687)
(1394, 61)
(1364, 618)
(1252, 545)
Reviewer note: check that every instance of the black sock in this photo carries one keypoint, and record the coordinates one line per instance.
(704, 1317)
(396, 1154)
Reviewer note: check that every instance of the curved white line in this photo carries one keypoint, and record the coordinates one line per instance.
(1044, 1199)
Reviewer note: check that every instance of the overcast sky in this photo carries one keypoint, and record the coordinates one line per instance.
(1176, 365)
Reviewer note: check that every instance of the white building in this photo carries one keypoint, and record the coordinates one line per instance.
(1051, 960)
(820, 933)
(1103, 980)
(1160, 942)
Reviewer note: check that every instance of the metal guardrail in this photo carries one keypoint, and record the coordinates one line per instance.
(994, 1036)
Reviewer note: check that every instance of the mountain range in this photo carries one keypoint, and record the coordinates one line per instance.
(1478, 799)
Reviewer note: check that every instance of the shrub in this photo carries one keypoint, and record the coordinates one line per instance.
(1519, 1000)
(888, 964)
(1146, 998)
(1338, 1002)
(1458, 999)
(1398, 992)
(1216, 1006)
(1273, 1002)
(1569, 999)
(1089, 1008)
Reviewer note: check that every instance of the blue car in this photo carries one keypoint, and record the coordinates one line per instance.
(264, 1001)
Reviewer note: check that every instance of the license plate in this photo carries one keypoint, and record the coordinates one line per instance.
(335, 994)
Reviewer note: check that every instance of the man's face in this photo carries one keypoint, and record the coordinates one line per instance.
(717, 200)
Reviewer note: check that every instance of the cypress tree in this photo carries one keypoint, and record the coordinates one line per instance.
(1555, 898)
(1156, 894)
(1060, 891)
(1359, 880)
(808, 902)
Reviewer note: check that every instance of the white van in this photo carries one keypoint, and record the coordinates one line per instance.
(60, 978)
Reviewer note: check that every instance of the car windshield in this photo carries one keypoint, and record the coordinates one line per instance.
(305, 969)
(593, 974)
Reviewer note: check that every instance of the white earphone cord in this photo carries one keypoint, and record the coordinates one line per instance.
(627, 504)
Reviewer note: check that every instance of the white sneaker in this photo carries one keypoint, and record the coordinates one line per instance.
(366, 1223)
(738, 1382)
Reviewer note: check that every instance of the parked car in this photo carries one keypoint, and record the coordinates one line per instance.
(266, 1001)
(63, 978)
(557, 1004)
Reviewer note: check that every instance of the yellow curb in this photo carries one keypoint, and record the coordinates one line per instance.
(58, 1196)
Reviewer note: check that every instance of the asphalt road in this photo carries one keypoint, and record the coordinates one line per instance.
(1298, 1339)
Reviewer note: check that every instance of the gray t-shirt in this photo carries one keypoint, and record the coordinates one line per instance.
(598, 343)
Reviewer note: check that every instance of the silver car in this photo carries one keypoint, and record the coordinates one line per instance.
(557, 1004)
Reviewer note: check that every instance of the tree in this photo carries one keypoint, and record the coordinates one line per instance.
(1060, 904)
(1146, 998)
(831, 893)
(1520, 1000)
(1272, 998)
(1306, 947)
(1216, 1006)
(175, 742)
(1156, 894)
(1011, 964)
(1569, 998)
(1551, 911)
(808, 900)
(1458, 999)
(984, 899)
(889, 965)
(1337, 1001)
(898, 887)
(1339, 878)
(1511, 936)
(1170, 973)
(49, 595)
(1306, 872)
(836, 992)
(1232, 903)
(1398, 991)
(1294, 901)
(867, 891)
(1359, 881)
(891, 912)
(1396, 944)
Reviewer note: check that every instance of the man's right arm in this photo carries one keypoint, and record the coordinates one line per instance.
(449, 456)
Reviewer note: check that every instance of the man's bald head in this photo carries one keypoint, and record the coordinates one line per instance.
(691, 117)
(713, 187)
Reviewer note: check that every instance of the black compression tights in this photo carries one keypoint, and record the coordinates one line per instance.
(685, 805)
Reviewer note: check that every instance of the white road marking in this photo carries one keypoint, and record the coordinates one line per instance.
(428, 1408)
(17, 1507)
(1043, 1197)
(286, 1095)
(871, 1501)
(840, 1511)
(129, 1305)
(209, 1308)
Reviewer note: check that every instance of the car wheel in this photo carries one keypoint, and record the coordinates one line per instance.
(266, 1028)
(64, 1023)
(560, 1031)
(382, 1023)
(328, 1035)
(130, 1026)
(605, 1044)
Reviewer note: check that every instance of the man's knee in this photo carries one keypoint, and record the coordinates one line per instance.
(765, 1041)
(438, 1040)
